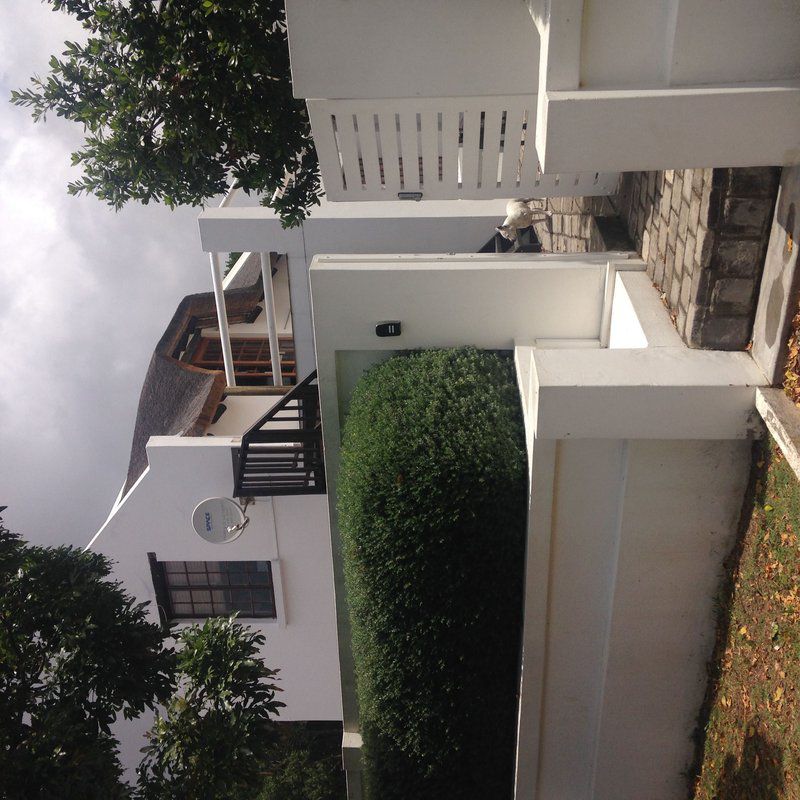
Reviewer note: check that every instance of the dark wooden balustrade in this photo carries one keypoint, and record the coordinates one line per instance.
(282, 453)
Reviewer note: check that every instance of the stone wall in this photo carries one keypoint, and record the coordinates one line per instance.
(573, 224)
(703, 234)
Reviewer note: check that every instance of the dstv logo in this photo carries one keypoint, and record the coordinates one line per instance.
(209, 526)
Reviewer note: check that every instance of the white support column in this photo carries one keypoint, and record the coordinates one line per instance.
(222, 318)
(269, 310)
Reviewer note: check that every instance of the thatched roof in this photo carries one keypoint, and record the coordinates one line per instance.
(179, 399)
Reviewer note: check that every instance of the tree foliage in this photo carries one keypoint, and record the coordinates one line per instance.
(306, 765)
(432, 512)
(179, 98)
(217, 733)
(75, 653)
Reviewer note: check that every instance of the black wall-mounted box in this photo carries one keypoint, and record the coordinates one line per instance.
(388, 329)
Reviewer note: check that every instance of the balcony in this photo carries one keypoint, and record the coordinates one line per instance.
(282, 453)
(438, 148)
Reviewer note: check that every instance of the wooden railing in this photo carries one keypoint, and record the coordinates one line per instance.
(281, 454)
(442, 148)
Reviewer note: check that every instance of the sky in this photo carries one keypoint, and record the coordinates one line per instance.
(85, 293)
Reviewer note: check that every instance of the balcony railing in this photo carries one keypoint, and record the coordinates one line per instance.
(282, 453)
(442, 148)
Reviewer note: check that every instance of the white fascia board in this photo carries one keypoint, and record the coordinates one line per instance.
(252, 229)
(653, 393)
(258, 229)
(673, 128)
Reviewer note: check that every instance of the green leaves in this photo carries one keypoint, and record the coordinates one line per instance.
(215, 738)
(76, 652)
(179, 103)
(432, 510)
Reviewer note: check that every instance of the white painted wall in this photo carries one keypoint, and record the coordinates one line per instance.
(291, 532)
(626, 43)
(689, 83)
(418, 48)
(241, 412)
(639, 534)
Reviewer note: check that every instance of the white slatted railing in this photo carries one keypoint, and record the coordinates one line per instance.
(445, 148)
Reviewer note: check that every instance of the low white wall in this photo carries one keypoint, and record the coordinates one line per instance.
(241, 411)
(291, 532)
(632, 86)
(640, 529)
(688, 42)
(377, 48)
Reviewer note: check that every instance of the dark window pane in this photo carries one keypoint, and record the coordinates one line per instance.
(241, 586)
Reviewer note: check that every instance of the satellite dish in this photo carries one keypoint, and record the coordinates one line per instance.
(219, 520)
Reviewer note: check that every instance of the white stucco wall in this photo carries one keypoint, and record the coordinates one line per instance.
(418, 48)
(290, 532)
(640, 529)
(691, 42)
(632, 86)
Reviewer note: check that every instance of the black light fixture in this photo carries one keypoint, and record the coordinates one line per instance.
(388, 329)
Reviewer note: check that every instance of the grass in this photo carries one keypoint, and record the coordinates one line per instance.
(751, 749)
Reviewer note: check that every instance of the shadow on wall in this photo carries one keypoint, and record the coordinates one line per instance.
(757, 775)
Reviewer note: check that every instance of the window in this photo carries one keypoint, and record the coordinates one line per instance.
(192, 589)
(251, 359)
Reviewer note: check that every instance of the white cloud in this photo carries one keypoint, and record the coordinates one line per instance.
(84, 295)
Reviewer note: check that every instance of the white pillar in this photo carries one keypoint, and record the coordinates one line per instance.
(222, 318)
(269, 311)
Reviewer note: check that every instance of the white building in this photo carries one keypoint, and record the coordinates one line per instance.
(637, 446)
(190, 441)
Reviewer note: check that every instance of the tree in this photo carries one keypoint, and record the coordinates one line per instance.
(299, 776)
(306, 765)
(217, 734)
(179, 98)
(75, 651)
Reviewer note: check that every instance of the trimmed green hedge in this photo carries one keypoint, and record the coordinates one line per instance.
(432, 511)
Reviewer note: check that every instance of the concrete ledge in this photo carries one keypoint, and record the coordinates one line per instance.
(654, 393)
(782, 419)
(351, 750)
(650, 129)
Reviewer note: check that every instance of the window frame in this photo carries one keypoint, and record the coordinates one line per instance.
(168, 613)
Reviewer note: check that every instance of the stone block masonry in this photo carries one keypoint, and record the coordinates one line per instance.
(703, 235)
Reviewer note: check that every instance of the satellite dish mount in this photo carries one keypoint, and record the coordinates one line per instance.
(219, 520)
